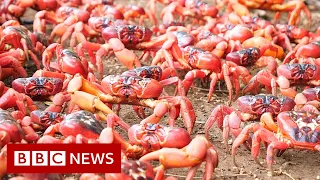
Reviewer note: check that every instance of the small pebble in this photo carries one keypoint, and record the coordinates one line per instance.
(235, 170)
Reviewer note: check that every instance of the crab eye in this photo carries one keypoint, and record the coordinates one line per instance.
(290, 27)
(254, 19)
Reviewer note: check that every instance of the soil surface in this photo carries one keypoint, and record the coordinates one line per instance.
(293, 164)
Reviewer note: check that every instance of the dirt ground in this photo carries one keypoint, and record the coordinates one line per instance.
(293, 164)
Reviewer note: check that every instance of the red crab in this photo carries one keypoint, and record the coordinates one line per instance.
(78, 32)
(17, 36)
(43, 88)
(192, 155)
(131, 90)
(152, 72)
(293, 7)
(102, 22)
(307, 52)
(80, 127)
(12, 131)
(43, 119)
(308, 100)
(11, 98)
(63, 18)
(145, 137)
(120, 39)
(130, 12)
(196, 9)
(288, 34)
(83, 127)
(274, 50)
(229, 36)
(205, 64)
(65, 77)
(294, 129)
(251, 108)
(11, 64)
(13, 9)
(254, 56)
(235, 35)
(66, 61)
(155, 136)
(256, 22)
(162, 28)
(38, 87)
(211, 42)
(287, 74)
(151, 5)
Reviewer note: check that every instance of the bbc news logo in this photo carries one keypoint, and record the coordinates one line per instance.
(41, 158)
(64, 158)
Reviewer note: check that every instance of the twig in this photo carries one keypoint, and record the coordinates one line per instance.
(287, 174)
(175, 175)
(284, 173)
(233, 175)
(200, 122)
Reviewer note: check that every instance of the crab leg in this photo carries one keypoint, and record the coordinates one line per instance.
(243, 136)
(295, 7)
(198, 150)
(14, 63)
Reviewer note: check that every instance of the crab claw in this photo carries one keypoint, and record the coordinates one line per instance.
(79, 83)
(311, 94)
(93, 104)
(109, 136)
(187, 111)
(90, 102)
(106, 136)
(125, 56)
(133, 151)
(192, 155)
(173, 104)
(58, 102)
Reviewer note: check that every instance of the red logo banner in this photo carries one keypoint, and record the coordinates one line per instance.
(64, 158)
